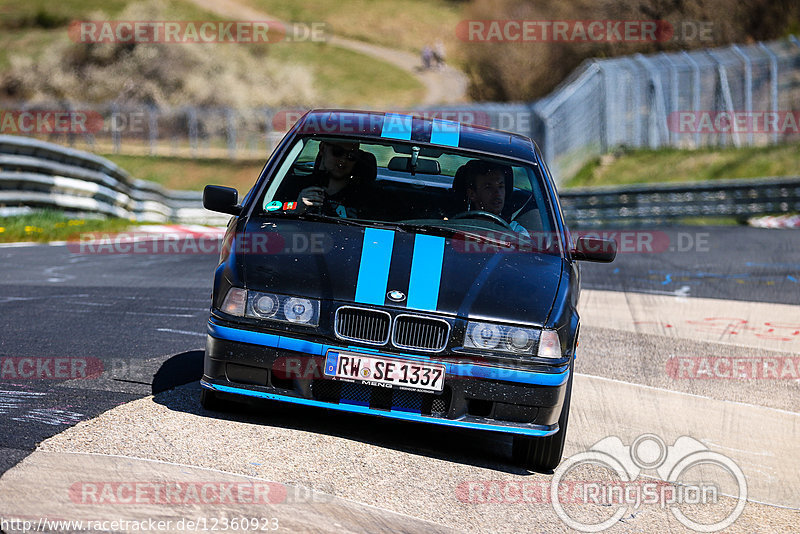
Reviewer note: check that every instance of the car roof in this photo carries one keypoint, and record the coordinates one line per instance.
(429, 131)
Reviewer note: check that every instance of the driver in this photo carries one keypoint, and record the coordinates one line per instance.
(486, 189)
(336, 186)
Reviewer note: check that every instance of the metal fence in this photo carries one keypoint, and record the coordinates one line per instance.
(734, 96)
(634, 101)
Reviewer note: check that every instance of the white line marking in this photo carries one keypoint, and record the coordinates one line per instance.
(181, 332)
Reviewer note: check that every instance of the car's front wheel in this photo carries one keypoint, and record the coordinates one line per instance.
(210, 401)
(544, 454)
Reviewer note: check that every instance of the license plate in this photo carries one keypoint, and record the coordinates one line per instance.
(385, 372)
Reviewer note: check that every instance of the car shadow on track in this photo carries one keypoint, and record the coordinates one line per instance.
(482, 449)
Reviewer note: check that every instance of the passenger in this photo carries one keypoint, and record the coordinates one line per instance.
(339, 184)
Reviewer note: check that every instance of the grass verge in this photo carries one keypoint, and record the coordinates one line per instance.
(347, 79)
(408, 25)
(674, 165)
(50, 225)
(341, 77)
(189, 173)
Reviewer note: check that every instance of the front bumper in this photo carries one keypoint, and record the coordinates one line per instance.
(284, 368)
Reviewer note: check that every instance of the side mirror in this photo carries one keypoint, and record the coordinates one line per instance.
(589, 248)
(221, 199)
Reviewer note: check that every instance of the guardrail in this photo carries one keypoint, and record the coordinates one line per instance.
(668, 203)
(39, 174)
(45, 175)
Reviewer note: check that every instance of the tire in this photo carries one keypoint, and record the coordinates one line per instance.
(209, 401)
(544, 454)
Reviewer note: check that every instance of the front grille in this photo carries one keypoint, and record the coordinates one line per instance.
(420, 333)
(380, 398)
(361, 324)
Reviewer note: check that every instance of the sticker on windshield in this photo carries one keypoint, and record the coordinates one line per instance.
(275, 205)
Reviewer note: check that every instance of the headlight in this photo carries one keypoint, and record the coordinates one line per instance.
(295, 310)
(271, 306)
(265, 305)
(490, 336)
(519, 340)
(484, 335)
(298, 310)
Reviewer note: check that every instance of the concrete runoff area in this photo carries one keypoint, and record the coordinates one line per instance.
(370, 474)
(753, 324)
(67, 473)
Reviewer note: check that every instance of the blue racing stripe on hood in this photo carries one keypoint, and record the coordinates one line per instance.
(426, 272)
(396, 126)
(373, 271)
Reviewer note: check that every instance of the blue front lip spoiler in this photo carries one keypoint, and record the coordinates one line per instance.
(405, 416)
(466, 370)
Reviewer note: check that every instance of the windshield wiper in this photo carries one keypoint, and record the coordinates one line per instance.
(442, 231)
(321, 217)
(446, 231)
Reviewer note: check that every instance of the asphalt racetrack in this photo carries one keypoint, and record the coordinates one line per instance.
(688, 349)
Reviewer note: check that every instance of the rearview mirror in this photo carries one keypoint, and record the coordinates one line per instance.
(589, 248)
(424, 166)
(221, 199)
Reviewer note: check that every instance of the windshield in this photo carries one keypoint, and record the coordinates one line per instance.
(419, 188)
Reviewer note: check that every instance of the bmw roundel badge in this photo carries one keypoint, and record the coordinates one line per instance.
(397, 296)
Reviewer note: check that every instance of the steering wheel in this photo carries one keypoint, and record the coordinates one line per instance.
(472, 214)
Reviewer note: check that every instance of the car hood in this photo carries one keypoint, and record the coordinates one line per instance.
(398, 269)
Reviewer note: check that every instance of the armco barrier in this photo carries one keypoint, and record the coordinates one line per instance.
(45, 175)
(665, 203)
(39, 174)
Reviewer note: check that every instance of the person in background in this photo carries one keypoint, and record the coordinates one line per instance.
(438, 54)
(427, 55)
